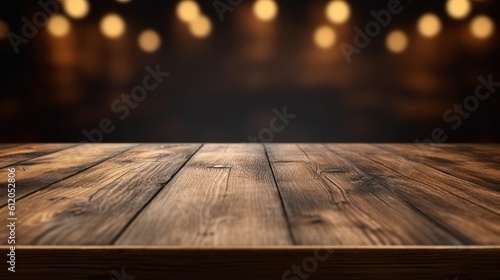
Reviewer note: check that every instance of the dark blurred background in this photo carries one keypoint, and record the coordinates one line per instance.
(227, 76)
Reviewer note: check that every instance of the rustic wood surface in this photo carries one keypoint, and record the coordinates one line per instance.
(432, 211)
(225, 195)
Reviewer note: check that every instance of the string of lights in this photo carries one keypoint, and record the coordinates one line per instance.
(337, 12)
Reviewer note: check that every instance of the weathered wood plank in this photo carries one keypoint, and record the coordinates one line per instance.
(353, 194)
(468, 168)
(225, 195)
(345, 263)
(429, 191)
(478, 194)
(12, 154)
(330, 201)
(37, 173)
(92, 207)
(483, 152)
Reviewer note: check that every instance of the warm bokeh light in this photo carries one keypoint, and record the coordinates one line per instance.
(149, 41)
(201, 27)
(324, 37)
(265, 9)
(429, 25)
(482, 27)
(4, 30)
(76, 8)
(338, 11)
(188, 11)
(58, 26)
(458, 9)
(112, 26)
(396, 41)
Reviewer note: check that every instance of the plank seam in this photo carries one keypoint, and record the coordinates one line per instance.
(62, 179)
(55, 151)
(285, 212)
(122, 231)
(459, 237)
(446, 173)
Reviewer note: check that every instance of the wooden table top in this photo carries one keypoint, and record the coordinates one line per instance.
(255, 195)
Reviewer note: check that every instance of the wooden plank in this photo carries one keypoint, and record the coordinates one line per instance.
(13, 154)
(429, 191)
(93, 206)
(8, 145)
(225, 195)
(40, 172)
(478, 194)
(329, 201)
(468, 168)
(346, 263)
(483, 152)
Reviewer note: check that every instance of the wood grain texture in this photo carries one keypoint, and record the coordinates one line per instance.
(225, 195)
(409, 164)
(330, 201)
(448, 207)
(483, 152)
(37, 173)
(11, 154)
(469, 168)
(243, 211)
(82, 210)
(4, 147)
(287, 263)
